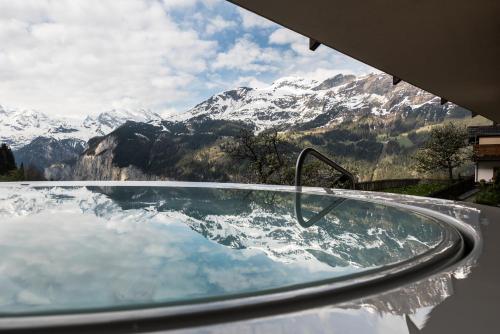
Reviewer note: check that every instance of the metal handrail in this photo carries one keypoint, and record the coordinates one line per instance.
(302, 157)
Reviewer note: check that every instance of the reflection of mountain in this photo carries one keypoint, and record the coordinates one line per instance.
(113, 246)
(355, 234)
(80, 250)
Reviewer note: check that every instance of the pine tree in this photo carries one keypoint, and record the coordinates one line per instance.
(7, 161)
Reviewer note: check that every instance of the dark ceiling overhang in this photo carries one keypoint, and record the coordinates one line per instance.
(450, 48)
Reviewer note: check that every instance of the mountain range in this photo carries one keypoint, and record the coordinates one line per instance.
(297, 103)
(369, 103)
(19, 128)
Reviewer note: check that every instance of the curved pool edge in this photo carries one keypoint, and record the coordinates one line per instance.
(139, 315)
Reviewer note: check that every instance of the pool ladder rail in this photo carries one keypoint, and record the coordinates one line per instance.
(345, 174)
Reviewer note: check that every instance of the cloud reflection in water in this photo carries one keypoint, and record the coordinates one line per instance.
(87, 248)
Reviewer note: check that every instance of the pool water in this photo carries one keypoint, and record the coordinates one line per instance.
(77, 249)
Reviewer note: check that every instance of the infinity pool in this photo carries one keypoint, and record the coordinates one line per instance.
(75, 249)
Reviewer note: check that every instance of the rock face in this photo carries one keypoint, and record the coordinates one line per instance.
(43, 152)
(98, 163)
(142, 151)
(41, 141)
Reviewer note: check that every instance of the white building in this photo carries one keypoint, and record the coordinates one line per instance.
(486, 141)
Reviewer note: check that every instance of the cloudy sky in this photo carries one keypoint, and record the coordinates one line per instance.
(79, 57)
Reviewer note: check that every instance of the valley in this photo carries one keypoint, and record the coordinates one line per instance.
(367, 124)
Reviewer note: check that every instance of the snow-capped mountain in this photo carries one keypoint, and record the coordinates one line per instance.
(296, 102)
(20, 127)
(289, 103)
(106, 122)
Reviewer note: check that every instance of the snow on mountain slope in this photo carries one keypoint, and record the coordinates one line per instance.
(20, 127)
(292, 101)
(106, 122)
(289, 103)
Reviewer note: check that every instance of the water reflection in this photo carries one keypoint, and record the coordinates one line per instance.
(408, 309)
(335, 203)
(345, 231)
(99, 247)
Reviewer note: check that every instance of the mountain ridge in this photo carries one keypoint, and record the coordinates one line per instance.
(288, 103)
(19, 127)
(291, 102)
(368, 103)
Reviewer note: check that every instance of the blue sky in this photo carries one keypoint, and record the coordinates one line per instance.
(83, 57)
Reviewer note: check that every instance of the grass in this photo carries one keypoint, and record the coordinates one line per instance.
(404, 141)
(7, 178)
(423, 189)
(489, 195)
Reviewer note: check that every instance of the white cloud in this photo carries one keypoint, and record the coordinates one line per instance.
(291, 57)
(246, 55)
(285, 36)
(70, 57)
(295, 41)
(318, 65)
(80, 57)
(185, 4)
(179, 3)
(251, 20)
(250, 81)
(218, 24)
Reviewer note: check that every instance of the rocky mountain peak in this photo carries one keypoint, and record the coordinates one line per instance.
(291, 102)
(294, 83)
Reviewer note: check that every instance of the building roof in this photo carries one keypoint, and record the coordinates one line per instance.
(450, 48)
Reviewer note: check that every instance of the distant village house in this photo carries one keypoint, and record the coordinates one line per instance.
(486, 141)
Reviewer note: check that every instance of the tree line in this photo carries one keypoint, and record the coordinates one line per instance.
(9, 170)
(269, 157)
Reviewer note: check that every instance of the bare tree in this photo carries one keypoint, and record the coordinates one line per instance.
(264, 152)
